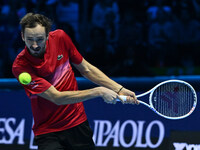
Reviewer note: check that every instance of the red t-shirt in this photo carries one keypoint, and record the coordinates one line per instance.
(54, 69)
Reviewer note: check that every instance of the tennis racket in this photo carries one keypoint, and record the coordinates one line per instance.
(171, 99)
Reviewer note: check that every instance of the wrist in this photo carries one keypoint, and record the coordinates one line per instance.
(98, 91)
(119, 90)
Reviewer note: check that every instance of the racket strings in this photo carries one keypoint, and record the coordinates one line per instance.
(173, 99)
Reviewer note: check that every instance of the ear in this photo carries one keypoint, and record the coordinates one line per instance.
(22, 35)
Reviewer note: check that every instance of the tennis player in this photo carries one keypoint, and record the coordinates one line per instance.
(60, 122)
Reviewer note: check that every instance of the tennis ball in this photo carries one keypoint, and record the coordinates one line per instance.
(25, 78)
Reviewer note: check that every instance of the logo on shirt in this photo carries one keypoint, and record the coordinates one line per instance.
(60, 57)
(33, 84)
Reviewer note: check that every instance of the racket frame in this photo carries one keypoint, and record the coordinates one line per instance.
(151, 91)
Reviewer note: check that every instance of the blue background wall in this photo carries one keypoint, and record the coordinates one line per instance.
(115, 126)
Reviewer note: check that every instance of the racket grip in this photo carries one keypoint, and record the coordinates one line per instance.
(123, 97)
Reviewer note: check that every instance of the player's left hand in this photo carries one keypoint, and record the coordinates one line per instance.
(131, 97)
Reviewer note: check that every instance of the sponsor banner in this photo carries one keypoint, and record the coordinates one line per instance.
(105, 132)
(12, 132)
(115, 126)
(128, 134)
(184, 140)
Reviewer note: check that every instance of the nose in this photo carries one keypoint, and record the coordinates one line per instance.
(35, 45)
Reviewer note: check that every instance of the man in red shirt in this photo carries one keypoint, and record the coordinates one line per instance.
(60, 121)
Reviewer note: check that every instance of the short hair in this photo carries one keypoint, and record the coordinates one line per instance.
(31, 20)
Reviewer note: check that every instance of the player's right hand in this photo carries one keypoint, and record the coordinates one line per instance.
(109, 96)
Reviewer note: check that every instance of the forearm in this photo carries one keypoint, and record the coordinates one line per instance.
(70, 97)
(111, 89)
(98, 77)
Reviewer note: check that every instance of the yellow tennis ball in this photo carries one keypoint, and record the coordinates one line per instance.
(25, 78)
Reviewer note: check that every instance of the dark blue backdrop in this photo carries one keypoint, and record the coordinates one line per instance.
(120, 126)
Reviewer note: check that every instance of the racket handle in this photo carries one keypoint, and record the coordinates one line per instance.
(123, 97)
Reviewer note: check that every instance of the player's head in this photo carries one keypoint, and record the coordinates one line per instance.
(35, 29)
(31, 20)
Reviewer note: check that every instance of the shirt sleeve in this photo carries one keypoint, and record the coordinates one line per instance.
(37, 84)
(74, 55)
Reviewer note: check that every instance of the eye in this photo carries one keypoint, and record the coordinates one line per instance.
(40, 40)
(30, 39)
